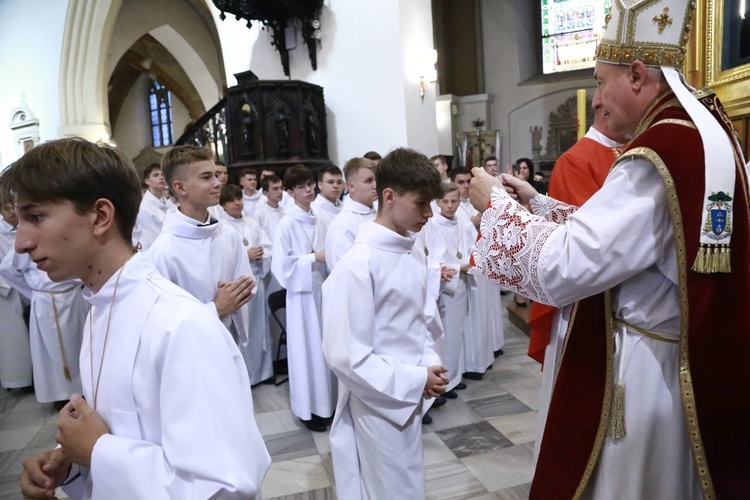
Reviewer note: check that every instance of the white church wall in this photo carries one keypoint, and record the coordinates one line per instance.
(363, 57)
(417, 43)
(180, 117)
(29, 65)
(132, 130)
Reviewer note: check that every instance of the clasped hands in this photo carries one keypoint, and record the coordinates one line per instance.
(232, 295)
(436, 381)
(79, 428)
(482, 184)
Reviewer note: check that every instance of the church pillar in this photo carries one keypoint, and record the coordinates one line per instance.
(83, 87)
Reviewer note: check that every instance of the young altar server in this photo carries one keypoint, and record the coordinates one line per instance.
(251, 197)
(299, 265)
(153, 207)
(168, 410)
(356, 209)
(327, 204)
(449, 241)
(194, 250)
(58, 312)
(269, 212)
(285, 200)
(379, 341)
(479, 342)
(257, 351)
(15, 349)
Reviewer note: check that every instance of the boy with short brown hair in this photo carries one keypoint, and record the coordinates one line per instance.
(153, 348)
(380, 341)
(299, 266)
(194, 250)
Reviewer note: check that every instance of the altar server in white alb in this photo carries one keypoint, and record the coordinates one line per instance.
(58, 313)
(251, 197)
(299, 265)
(153, 207)
(269, 212)
(257, 351)
(449, 243)
(15, 349)
(478, 341)
(327, 204)
(285, 200)
(194, 250)
(168, 410)
(380, 343)
(356, 209)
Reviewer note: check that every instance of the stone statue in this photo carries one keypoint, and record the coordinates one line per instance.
(246, 123)
(313, 133)
(536, 141)
(282, 132)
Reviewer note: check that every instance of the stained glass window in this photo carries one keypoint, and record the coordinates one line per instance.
(571, 30)
(160, 103)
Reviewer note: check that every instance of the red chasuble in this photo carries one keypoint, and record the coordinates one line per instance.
(714, 337)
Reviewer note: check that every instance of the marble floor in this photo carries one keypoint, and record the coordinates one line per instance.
(479, 446)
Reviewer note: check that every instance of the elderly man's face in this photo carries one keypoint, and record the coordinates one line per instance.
(616, 100)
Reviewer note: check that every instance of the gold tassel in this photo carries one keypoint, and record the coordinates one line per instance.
(713, 259)
(725, 260)
(617, 419)
(699, 266)
(67, 373)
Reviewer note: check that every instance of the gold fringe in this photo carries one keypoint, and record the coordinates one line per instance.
(713, 259)
(699, 266)
(617, 420)
(725, 259)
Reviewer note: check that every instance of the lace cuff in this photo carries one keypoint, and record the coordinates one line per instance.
(551, 209)
(512, 247)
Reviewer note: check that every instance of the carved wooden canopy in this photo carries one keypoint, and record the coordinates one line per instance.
(277, 15)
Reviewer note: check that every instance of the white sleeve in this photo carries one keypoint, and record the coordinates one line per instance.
(551, 209)
(210, 445)
(265, 242)
(339, 239)
(618, 233)
(12, 270)
(241, 268)
(293, 272)
(384, 383)
(429, 253)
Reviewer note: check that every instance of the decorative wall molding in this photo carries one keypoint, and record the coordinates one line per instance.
(25, 127)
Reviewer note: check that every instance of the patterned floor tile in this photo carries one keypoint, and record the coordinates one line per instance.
(451, 480)
(289, 445)
(497, 406)
(501, 469)
(473, 439)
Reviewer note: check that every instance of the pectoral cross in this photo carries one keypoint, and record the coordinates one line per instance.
(663, 20)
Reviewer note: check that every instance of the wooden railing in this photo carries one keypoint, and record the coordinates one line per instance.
(210, 131)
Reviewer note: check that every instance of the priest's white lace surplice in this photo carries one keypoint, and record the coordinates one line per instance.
(513, 241)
